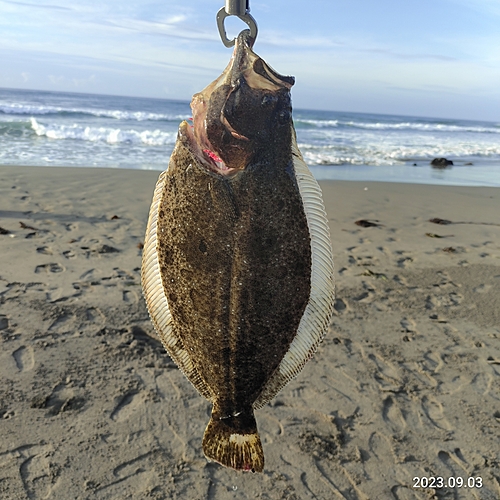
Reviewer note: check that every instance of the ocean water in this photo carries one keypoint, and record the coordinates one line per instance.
(65, 129)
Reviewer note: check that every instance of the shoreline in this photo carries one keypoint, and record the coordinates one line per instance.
(478, 175)
(457, 175)
(404, 385)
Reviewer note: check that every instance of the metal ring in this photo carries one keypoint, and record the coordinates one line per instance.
(246, 18)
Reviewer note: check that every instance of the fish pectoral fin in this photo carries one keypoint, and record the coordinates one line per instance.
(234, 442)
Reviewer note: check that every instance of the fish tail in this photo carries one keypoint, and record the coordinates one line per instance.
(234, 442)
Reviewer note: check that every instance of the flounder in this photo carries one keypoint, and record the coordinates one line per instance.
(237, 265)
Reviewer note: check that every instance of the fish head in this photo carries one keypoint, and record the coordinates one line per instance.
(244, 117)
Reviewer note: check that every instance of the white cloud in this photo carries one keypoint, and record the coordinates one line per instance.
(179, 18)
(168, 28)
(84, 82)
(125, 45)
(62, 80)
(287, 40)
(36, 6)
(56, 80)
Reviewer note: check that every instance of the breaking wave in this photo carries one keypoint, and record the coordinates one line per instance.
(423, 127)
(393, 154)
(39, 109)
(49, 128)
(103, 134)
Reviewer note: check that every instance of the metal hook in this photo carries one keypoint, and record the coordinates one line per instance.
(241, 9)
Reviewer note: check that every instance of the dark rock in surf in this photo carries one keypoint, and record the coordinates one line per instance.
(441, 163)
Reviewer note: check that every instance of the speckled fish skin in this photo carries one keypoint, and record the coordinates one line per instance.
(228, 256)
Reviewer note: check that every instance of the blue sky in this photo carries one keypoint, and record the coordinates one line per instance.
(438, 58)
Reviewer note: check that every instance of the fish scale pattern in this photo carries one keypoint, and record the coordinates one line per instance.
(156, 299)
(319, 310)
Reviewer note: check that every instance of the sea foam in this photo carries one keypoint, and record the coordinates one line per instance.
(411, 126)
(52, 128)
(103, 134)
(30, 109)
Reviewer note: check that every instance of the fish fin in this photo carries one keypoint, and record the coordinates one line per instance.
(156, 299)
(234, 442)
(319, 310)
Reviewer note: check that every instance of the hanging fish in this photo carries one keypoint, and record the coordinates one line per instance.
(237, 265)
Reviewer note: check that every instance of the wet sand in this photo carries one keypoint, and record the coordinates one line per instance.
(406, 383)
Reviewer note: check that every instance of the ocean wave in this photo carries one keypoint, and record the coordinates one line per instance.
(413, 126)
(424, 127)
(392, 154)
(40, 109)
(315, 123)
(104, 134)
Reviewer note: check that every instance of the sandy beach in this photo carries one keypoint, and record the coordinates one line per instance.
(405, 385)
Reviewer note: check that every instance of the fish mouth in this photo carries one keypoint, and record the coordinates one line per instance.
(204, 151)
(239, 115)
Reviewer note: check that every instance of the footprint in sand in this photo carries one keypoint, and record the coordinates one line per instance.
(94, 315)
(130, 476)
(129, 296)
(454, 462)
(387, 376)
(341, 306)
(44, 250)
(434, 411)
(52, 267)
(24, 358)
(384, 250)
(298, 392)
(70, 226)
(405, 262)
(408, 325)
(455, 299)
(432, 362)
(363, 260)
(89, 275)
(456, 384)
(61, 323)
(432, 302)
(401, 280)
(445, 281)
(4, 322)
(127, 405)
(393, 415)
(62, 398)
(367, 295)
(380, 445)
(403, 492)
(482, 382)
(36, 474)
(343, 271)
(131, 467)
